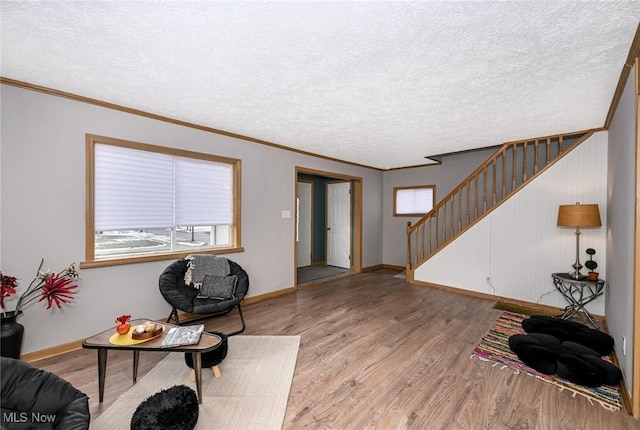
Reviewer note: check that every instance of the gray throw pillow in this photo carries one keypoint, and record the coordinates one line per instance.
(218, 287)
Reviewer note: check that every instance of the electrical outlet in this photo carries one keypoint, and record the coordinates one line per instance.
(624, 345)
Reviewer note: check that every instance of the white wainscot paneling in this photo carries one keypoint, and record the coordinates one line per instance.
(464, 263)
(513, 251)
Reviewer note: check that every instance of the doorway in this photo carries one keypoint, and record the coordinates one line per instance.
(304, 223)
(334, 227)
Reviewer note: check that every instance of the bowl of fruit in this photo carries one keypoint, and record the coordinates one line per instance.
(147, 330)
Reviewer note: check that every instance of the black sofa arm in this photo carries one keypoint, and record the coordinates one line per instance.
(29, 392)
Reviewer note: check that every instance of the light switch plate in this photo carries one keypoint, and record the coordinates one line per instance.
(286, 214)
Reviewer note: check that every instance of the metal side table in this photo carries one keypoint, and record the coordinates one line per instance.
(578, 292)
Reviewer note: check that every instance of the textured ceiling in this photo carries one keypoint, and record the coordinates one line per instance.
(382, 84)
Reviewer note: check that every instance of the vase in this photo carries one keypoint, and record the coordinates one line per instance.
(11, 335)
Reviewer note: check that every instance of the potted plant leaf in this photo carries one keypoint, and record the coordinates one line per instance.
(591, 265)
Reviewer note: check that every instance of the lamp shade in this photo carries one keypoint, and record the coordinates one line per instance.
(579, 216)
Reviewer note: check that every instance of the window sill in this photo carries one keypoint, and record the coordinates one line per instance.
(113, 261)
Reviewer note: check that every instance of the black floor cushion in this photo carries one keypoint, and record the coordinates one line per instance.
(611, 374)
(573, 368)
(538, 351)
(571, 350)
(571, 331)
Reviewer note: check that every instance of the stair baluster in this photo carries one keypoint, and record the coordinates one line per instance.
(428, 236)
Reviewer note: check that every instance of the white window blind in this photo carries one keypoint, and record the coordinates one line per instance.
(133, 189)
(137, 189)
(204, 192)
(414, 201)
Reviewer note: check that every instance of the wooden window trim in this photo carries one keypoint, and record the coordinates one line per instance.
(91, 261)
(412, 187)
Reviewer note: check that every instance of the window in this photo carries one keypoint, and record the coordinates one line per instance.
(148, 202)
(413, 201)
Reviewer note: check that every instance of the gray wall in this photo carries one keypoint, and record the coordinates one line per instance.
(445, 177)
(621, 195)
(43, 210)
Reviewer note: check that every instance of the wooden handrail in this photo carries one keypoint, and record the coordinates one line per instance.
(463, 207)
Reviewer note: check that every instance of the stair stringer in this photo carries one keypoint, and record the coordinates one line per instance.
(512, 252)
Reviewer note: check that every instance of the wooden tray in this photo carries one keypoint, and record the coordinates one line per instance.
(147, 335)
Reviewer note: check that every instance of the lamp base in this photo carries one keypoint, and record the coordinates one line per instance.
(576, 270)
(577, 266)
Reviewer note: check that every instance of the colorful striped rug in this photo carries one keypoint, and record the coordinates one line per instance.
(495, 347)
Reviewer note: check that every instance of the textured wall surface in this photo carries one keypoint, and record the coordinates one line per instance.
(43, 210)
(383, 84)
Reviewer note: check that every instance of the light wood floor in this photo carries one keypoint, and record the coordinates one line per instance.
(378, 353)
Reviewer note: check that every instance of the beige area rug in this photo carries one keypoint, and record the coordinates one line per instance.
(252, 392)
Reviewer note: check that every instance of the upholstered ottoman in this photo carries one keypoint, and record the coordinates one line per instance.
(210, 359)
(175, 408)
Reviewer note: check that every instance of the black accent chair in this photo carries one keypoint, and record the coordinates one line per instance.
(35, 398)
(185, 298)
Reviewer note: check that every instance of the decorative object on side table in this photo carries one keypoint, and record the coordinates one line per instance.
(148, 330)
(578, 216)
(591, 265)
(123, 324)
(54, 288)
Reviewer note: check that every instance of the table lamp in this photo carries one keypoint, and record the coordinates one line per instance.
(578, 216)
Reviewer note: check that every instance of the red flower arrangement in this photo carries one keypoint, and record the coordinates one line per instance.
(56, 288)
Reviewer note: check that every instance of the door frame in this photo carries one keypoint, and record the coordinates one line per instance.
(356, 220)
(635, 366)
(310, 220)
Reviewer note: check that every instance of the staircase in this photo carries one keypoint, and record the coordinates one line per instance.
(508, 170)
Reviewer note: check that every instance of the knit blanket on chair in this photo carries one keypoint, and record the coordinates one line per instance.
(205, 264)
